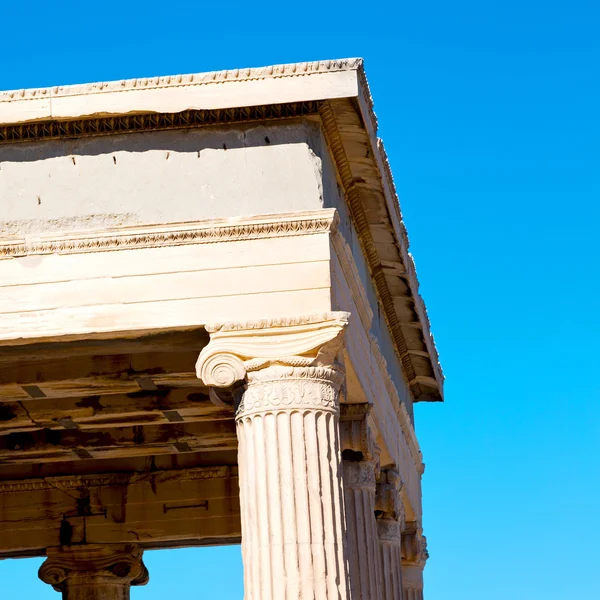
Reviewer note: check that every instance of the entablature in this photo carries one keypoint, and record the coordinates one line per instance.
(333, 92)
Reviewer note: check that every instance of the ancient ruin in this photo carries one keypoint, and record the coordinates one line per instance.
(210, 333)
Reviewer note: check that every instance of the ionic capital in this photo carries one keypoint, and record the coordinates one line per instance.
(94, 564)
(359, 475)
(357, 434)
(388, 504)
(305, 347)
(389, 530)
(414, 545)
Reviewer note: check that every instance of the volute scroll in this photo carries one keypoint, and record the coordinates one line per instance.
(236, 349)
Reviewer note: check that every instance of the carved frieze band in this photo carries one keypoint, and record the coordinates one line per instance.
(87, 481)
(283, 225)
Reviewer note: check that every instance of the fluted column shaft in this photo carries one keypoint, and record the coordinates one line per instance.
(413, 582)
(389, 540)
(290, 484)
(414, 557)
(94, 571)
(390, 520)
(363, 552)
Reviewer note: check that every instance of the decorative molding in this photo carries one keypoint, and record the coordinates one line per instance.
(279, 389)
(238, 348)
(79, 482)
(154, 236)
(195, 79)
(134, 123)
(276, 322)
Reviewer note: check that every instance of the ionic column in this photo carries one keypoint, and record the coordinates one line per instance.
(390, 517)
(414, 556)
(284, 385)
(94, 571)
(359, 454)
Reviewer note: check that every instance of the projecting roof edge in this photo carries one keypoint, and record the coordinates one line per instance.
(298, 82)
(404, 243)
(366, 105)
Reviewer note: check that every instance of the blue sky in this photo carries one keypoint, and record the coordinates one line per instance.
(490, 114)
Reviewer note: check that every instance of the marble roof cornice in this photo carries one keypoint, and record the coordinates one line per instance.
(336, 90)
(175, 93)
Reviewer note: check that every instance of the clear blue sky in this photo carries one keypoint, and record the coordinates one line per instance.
(490, 114)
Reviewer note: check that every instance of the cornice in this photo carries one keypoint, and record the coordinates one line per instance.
(299, 69)
(361, 223)
(363, 83)
(237, 96)
(152, 236)
(410, 263)
(354, 188)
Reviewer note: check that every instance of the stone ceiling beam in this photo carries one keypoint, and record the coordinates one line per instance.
(46, 445)
(153, 509)
(113, 410)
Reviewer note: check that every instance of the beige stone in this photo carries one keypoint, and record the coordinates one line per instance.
(211, 332)
(390, 522)
(361, 468)
(287, 415)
